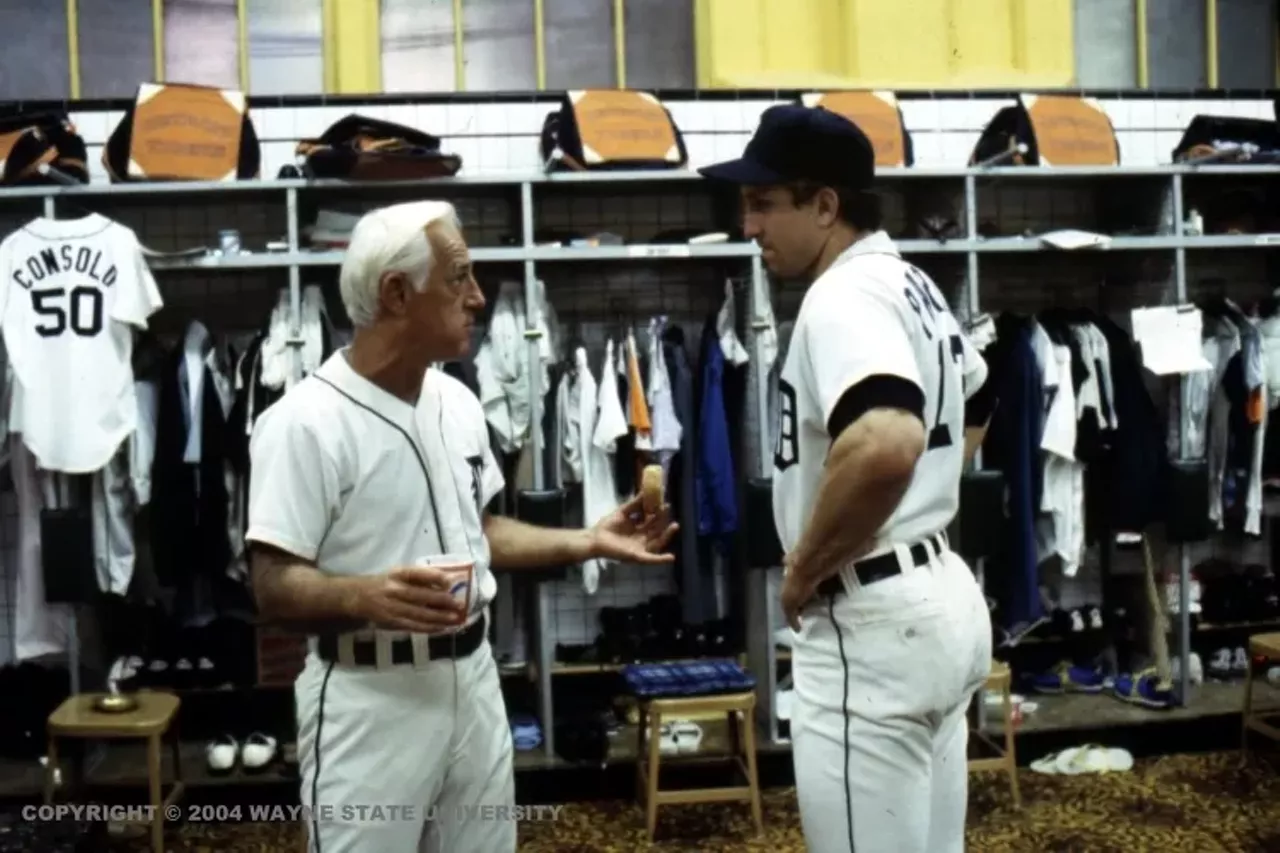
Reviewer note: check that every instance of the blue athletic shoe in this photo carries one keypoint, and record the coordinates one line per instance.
(1144, 689)
(1065, 678)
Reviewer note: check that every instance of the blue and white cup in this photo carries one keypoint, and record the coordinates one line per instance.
(461, 571)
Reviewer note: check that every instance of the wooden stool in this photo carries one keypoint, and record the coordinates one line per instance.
(1001, 679)
(151, 720)
(1265, 645)
(740, 708)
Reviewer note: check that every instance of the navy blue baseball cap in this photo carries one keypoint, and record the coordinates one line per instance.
(795, 143)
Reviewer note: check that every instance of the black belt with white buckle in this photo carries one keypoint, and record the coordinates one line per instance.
(444, 647)
(886, 565)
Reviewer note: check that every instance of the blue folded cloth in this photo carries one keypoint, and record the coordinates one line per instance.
(691, 678)
(526, 734)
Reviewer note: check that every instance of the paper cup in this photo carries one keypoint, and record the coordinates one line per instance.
(461, 571)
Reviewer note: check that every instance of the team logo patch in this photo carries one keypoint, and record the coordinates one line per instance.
(786, 451)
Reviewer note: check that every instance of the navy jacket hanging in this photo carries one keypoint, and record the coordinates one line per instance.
(1012, 446)
(715, 481)
(189, 500)
(1135, 466)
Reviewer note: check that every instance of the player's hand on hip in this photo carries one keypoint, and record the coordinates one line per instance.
(796, 593)
(413, 598)
(628, 535)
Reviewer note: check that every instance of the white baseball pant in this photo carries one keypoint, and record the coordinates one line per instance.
(883, 677)
(433, 736)
(40, 628)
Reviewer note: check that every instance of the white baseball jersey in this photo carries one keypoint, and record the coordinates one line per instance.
(873, 314)
(362, 482)
(71, 294)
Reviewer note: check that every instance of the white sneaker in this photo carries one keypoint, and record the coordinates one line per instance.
(258, 752)
(57, 771)
(1172, 595)
(687, 735)
(1195, 669)
(666, 739)
(1240, 661)
(220, 755)
(1220, 663)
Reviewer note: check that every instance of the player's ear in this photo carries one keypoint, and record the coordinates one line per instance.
(827, 206)
(393, 293)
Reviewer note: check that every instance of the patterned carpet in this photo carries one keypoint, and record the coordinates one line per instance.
(1191, 803)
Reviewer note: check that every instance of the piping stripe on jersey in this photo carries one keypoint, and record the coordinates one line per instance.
(315, 774)
(426, 476)
(431, 492)
(844, 711)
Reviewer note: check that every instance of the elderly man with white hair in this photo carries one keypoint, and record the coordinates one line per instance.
(369, 530)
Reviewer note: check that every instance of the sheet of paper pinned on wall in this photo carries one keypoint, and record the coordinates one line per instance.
(1170, 337)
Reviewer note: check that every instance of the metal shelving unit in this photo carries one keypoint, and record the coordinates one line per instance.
(964, 188)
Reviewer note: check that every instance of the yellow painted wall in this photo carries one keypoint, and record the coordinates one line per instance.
(885, 43)
(353, 46)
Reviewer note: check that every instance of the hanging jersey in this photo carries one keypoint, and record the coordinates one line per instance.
(873, 314)
(71, 294)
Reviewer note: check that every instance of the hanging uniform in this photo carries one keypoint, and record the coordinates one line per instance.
(665, 437)
(589, 460)
(1061, 531)
(72, 295)
(72, 292)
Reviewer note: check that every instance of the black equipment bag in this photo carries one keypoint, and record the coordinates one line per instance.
(1229, 140)
(608, 129)
(359, 148)
(1049, 130)
(40, 139)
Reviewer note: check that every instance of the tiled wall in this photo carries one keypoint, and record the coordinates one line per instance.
(503, 138)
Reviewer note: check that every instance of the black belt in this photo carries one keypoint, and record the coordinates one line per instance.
(886, 565)
(443, 647)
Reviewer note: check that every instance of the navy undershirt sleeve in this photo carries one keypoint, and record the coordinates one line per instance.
(880, 391)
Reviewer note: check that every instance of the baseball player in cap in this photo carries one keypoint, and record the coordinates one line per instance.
(893, 636)
(369, 530)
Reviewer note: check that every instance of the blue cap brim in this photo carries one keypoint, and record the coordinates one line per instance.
(742, 171)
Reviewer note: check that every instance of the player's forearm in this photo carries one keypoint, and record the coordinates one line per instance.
(515, 545)
(298, 596)
(868, 470)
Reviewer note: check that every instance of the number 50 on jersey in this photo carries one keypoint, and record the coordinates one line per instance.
(65, 284)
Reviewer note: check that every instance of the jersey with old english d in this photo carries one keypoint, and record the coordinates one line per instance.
(873, 314)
